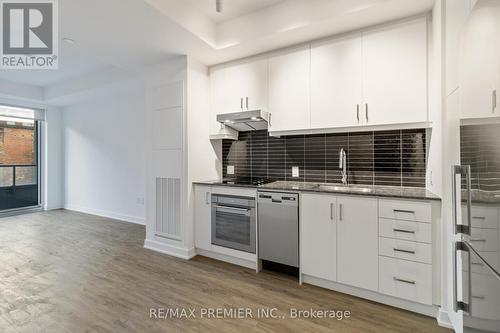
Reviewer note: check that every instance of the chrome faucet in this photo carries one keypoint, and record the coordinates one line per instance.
(343, 165)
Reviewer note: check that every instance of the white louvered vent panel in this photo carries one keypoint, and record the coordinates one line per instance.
(168, 208)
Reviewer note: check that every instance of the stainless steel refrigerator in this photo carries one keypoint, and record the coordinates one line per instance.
(476, 247)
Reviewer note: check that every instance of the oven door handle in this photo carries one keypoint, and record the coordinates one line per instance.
(229, 209)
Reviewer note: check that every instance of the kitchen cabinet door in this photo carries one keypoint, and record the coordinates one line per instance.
(246, 86)
(218, 103)
(202, 218)
(336, 83)
(456, 13)
(319, 236)
(289, 98)
(395, 74)
(480, 63)
(357, 242)
(252, 82)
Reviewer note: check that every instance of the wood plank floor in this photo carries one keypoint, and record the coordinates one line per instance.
(62, 271)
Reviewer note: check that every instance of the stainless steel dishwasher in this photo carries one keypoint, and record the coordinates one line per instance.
(278, 223)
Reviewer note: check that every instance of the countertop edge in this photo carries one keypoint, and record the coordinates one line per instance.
(382, 195)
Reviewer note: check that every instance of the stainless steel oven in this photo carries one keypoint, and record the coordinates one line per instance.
(233, 222)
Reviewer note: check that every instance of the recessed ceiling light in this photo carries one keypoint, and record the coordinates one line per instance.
(69, 41)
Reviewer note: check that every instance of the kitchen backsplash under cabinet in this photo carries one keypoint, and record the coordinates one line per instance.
(392, 158)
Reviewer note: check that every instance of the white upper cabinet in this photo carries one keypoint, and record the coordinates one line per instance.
(336, 83)
(378, 77)
(480, 62)
(240, 87)
(319, 236)
(456, 15)
(357, 242)
(289, 101)
(395, 74)
(255, 85)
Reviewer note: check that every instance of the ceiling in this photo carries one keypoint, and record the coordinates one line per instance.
(231, 8)
(72, 63)
(128, 35)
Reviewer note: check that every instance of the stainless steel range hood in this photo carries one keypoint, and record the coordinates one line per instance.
(245, 120)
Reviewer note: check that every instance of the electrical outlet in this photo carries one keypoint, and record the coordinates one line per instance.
(140, 201)
(295, 172)
(230, 169)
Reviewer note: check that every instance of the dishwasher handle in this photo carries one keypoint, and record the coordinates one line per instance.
(289, 199)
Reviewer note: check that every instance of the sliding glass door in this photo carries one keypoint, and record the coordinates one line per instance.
(19, 158)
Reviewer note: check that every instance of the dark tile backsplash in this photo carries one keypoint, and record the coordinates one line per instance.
(480, 148)
(393, 158)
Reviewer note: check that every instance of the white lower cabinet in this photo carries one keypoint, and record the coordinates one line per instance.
(357, 242)
(350, 240)
(319, 236)
(406, 279)
(202, 217)
(408, 250)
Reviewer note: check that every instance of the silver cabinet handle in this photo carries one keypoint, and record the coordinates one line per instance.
(366, 111)
(247, 102)
(270, 119)
(231, 209)
(403, 211)
(207, 198)
(481, 240)
(341, 213)
(479, 217)
(462, 170)
(478, 297)
(493, 101)
(404, 280)
(404, 231)
(241, 103)
(461, 305)
(357, 112)
(404, 251)
(331, 211)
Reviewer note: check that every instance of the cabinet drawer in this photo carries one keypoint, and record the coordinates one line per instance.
(479, 267)
(484, 239)
(405, 279)
(483, 217)
(405, 230)
(403, 249)
(485, 296)
(419, 211)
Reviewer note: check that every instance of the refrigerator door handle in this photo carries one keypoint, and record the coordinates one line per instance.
(462, 170)
(461, 305)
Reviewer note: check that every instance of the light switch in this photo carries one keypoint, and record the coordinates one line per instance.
(295, 172)
(230, 169)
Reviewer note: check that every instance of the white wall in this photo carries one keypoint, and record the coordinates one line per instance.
(203, 163)
(52, 167)
(104, 158)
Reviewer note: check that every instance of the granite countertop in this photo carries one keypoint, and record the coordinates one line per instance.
(483, 197)
(377, 191)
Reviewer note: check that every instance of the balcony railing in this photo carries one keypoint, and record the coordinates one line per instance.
(18, 186)
(18, 175)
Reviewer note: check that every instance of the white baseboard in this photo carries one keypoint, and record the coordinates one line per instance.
(171, 250)
(443, 319)
(427, 310)
(55, 207)
(110, 215)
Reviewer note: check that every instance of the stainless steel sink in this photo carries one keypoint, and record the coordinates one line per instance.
(341, 188)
